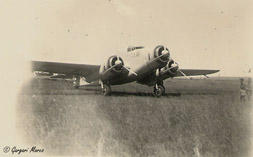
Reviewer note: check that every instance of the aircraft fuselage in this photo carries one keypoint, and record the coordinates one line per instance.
(142, 63)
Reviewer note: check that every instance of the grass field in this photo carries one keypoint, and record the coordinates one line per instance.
(199, 117)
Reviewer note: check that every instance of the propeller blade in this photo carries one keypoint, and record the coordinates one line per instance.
(130, 71)
(183, 74)
(173, 66)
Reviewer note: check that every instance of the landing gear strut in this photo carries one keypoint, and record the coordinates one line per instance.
(76, 81)
(159, 89)
(106, 89)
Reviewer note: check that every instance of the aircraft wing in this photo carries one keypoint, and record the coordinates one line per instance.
(193, 72)
(90, 72)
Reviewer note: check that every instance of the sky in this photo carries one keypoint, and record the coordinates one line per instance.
(208, 34)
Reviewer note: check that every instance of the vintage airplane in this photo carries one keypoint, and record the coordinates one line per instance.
(149, 67)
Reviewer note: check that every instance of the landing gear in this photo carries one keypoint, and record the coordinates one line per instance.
(76, 82)
(106, 89)
(159, 89)
(76, 87)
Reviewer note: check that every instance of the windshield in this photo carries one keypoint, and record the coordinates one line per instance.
(132, 48)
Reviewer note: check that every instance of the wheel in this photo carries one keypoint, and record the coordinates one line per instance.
(163, 89)
(106, 90)
(76, 81)
(159, 91)
(76, 87)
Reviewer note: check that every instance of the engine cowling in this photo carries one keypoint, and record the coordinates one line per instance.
(170, 69)
(114, 61)
(162, 52)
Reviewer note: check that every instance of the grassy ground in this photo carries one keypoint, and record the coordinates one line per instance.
(207, 118)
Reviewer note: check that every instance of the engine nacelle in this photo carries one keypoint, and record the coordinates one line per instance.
(162, 52)
(170, 69)
(112, 67)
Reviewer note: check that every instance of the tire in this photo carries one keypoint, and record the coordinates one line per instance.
(163, 89)
(158, 91)
(76, 87)
(106, 90)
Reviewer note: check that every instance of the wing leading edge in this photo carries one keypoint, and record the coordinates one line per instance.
(90, 72)
(193, 72)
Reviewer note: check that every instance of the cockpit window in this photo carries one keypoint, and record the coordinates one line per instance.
(132, 48)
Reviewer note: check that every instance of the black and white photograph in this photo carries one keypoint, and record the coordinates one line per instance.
(125, 78)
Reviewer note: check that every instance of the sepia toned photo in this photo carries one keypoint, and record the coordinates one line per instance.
(126, 78)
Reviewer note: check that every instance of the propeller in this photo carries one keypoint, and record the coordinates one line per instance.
(130, 70)
(176, 65)
(173, 65)
(119, 62)
(165, 53)
(183, 74)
